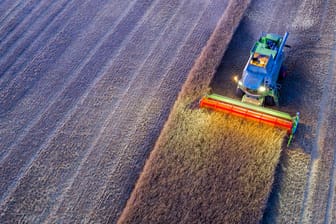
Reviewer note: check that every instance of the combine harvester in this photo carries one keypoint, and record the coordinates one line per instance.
(259, 86)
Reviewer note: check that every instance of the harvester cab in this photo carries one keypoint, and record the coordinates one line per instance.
(259, 82)
(259, 86)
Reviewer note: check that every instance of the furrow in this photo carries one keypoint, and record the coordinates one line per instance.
(105, 48)
(57, 66)
(16, 62)
(24, 28)
(16, 19)
(44, 121)
(8, 8)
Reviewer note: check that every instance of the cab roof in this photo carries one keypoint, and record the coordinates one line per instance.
(267, 45)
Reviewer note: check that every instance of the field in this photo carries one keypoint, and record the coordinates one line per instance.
(304, 188)
(206, 167)
(86, 89)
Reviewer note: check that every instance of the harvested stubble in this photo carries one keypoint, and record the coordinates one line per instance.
(207, 166)
(291, 182)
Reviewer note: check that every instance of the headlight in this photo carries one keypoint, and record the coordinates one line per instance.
(240, 83)
(262, 89)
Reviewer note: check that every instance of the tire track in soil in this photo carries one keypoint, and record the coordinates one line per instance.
(314, 187)
(16, 19)
(38, 127)
(7, 9)
(327, 165)
(22, 29)
(141, 35)
(13, 12)
(122, 175)
(85, 193)
(35, 70)
(16, 64)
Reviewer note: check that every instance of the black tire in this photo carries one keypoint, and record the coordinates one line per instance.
(282, 73)
(269, 101)
(239, 93)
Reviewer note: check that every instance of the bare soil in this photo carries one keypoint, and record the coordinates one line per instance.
(85, 89)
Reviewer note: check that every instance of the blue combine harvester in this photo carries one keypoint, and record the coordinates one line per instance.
(259, 86)
(259, 82)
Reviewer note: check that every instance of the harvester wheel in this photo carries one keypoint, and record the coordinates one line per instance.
(269, 100)
(282, 73)
(239, 93)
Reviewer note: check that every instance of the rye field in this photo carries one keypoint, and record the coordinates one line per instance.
(99, 120)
